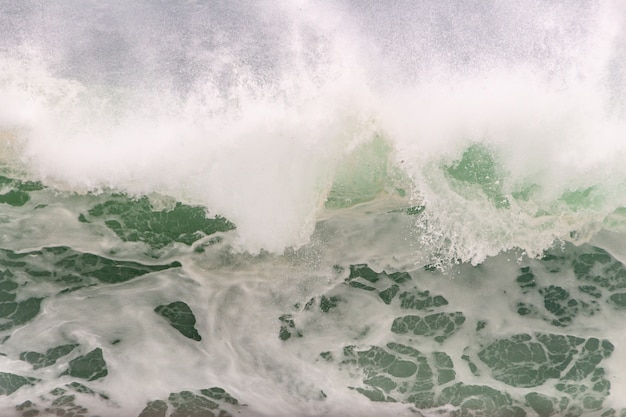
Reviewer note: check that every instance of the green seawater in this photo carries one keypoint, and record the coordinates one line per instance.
(152, 292)
(312, 208)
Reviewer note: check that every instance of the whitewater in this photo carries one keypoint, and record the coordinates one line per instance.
(312, 208)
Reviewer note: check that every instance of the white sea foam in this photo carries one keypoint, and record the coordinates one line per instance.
(312, 126)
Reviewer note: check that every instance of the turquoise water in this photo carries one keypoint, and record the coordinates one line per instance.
(301, 208)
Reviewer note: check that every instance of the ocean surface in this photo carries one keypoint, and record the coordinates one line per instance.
(312, 208)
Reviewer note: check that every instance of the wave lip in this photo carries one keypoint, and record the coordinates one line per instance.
(509, 144)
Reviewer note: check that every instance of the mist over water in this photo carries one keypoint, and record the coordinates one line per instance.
(305, 179)
(233, 105)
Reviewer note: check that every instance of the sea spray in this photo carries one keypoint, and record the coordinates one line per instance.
(312, 208)
(233, 128)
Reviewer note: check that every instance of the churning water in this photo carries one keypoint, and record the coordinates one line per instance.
(312, 208)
